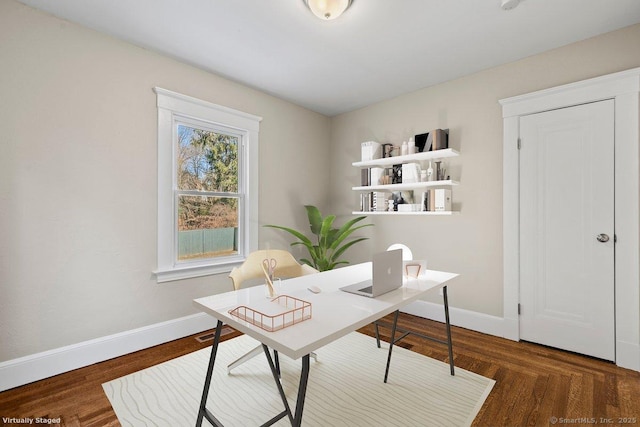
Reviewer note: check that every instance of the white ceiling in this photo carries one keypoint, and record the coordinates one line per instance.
(377, 50)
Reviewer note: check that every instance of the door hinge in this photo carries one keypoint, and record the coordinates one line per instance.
(519, 309)
(519, 143)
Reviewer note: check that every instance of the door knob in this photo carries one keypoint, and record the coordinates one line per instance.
(603, 238)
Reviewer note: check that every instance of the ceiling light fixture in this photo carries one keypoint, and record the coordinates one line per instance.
(509, 4)
(327, 9)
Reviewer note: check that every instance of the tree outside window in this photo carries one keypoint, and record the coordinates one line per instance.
(207, 193)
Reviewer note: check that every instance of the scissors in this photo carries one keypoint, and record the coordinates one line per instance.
(270, 266)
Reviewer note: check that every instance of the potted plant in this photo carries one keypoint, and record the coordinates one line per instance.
(330, 242)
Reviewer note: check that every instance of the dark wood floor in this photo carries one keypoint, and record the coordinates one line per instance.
(535, 385)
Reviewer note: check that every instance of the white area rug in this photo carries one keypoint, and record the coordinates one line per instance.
(345, 389)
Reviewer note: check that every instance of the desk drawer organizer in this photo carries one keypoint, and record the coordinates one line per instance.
(272, 318)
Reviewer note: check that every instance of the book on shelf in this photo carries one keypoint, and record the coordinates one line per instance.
(375, 175)
(442, 200)
(379, 201)
(374, 201)
(365, 177)
(370, 176)
(365, 200)
(440, 139)
(410, 172)
(436, 200)
(371, 150)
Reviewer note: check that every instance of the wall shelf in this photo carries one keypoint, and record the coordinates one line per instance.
(420, 213)
(406, 186)
(409, 158)
(419, 188)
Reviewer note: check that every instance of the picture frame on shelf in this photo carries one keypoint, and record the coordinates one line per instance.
(421, 141)
(437, 139)
(396, 178)
(413, 268)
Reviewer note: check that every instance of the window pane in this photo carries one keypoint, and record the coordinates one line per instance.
(207, 227)
(207, 161)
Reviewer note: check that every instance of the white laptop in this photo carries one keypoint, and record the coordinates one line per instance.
(387, 276)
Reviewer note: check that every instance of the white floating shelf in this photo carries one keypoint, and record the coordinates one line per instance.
(417, 157)
(420, 213)
(406, 186)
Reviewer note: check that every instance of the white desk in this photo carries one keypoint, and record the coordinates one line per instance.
(334, 314)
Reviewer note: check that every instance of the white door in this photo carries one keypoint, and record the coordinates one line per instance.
(567, 229)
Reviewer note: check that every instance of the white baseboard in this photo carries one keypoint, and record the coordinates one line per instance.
(627, 354)
(24, 370)
(473, 320)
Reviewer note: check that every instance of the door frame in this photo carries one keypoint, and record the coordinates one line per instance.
(624, 89)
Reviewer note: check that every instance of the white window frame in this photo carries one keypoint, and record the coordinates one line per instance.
(174, 108)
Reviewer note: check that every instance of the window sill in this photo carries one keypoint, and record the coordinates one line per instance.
(182, 272)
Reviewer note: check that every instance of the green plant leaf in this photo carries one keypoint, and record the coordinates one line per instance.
(315, 219)
(323, 264)
(296, 233)
(325, 253)
(335, 264)
(309, 263)
(346, 230)
(347, 234)
(316, 253)
(346, 246)
(325, 230)
(308, 246)
(347, 225)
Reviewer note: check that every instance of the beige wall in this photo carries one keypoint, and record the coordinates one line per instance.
(78, 173)
(469, 243)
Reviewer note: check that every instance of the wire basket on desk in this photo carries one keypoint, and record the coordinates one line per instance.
(296, 311)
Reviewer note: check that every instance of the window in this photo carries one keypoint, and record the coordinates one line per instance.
(207, 186)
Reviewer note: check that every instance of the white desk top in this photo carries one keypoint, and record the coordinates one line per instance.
(335, 313)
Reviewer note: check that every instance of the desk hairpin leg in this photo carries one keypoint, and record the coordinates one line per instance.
(276, 359)
(448, 325)
(203, 412)
(276, 375)
(296, 420)
(394, 340)
(302, 391)
(391, 342)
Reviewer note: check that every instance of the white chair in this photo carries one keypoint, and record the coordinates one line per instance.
(251, 268)
(286, 267)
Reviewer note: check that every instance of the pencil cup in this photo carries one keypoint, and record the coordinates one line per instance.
(272, 287)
